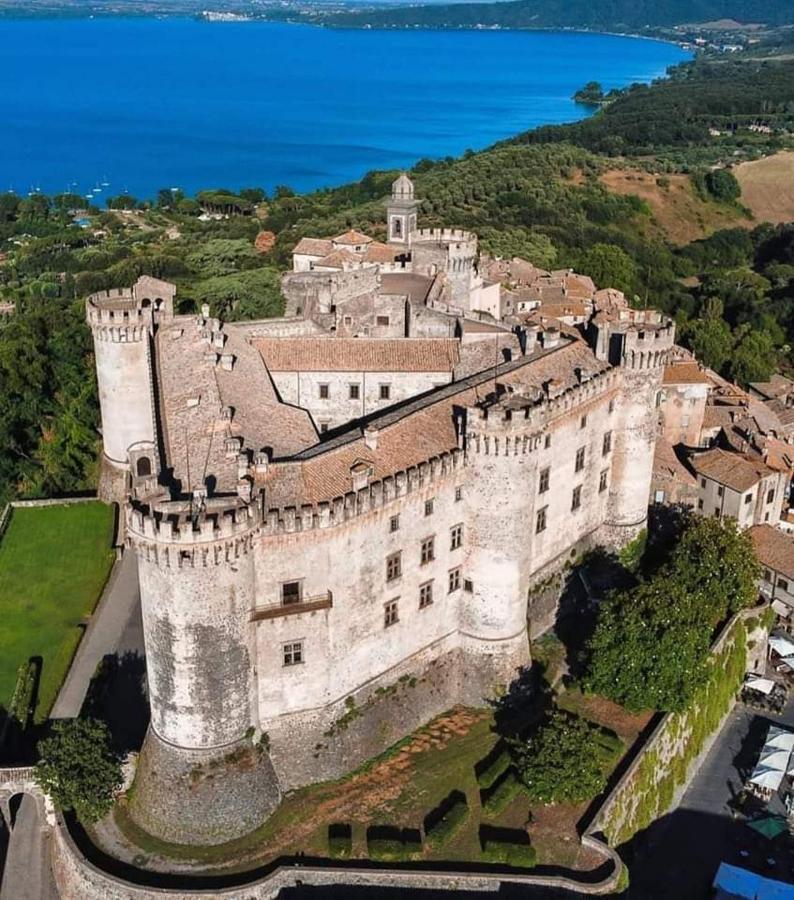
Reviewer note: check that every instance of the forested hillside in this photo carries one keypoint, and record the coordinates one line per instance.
(609, 15)
(543, 195)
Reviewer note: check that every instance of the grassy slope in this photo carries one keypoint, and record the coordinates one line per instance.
(54, 562)
(768, 187)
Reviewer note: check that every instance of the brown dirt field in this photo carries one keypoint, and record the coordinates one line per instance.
(768, 187)
(678, 213)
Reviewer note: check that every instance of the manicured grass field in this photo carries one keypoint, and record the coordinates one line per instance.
(54, 562)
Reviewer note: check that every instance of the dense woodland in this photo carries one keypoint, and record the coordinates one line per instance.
(538, 196)
(610, 15)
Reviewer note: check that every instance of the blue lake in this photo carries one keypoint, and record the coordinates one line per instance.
(150, 103)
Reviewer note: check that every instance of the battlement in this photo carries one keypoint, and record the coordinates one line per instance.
(648, 345)
(174, 534)
(373, 496)
(116, 315)
(443, 236)
(513, 424)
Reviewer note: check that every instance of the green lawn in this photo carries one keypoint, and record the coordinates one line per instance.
(54, 562)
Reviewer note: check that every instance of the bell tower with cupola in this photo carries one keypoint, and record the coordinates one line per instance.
(401, 211)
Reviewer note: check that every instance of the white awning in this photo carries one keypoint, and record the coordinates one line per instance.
(762, 685)
(767, 778)
(774, 759)
(781, 644)
(780, 738)
(782, 609)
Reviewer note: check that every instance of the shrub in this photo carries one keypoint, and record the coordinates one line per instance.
(442, 823)
(387, 842)
(492, 766)
(497, 798)
(22, 700)
(340, 841)
(507, 846)
(78, 768)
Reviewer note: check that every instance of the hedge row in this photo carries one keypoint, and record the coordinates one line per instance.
(493, 766)
(385, 842)
(509, 854)
(442, 823)
(497, 798)
(340, 841)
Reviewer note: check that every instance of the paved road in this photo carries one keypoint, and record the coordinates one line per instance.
(678, 856)
(115, 628)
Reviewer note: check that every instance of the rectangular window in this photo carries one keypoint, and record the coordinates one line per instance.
(547, 441)
(602, 481)
(325, 391)
(454, 580)
(702, 482)
(323, 427)
(394, 524)
(293, 653)
(720, 490)
(455, 537)
(354, 391)
(428, 552)
(429, 506)
(607, 444)
(348, 320)
(748, 499)
(612, 405)
(390, 613)
(382, 320)
(580, 459)
(770, 495)
(425, 594)
(700, 504)
(458, 494)
(583, 422)
(782, 584)
(385, 391)
(540, 520)
(291, 592)
(394, 566)
(716, 512)
(468, 586)
(576, 498)
(767, 575)
(543, 482)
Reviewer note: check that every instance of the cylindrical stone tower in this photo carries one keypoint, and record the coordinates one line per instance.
(204, 775)
(122, 330)
(641, 347)
(500, 511)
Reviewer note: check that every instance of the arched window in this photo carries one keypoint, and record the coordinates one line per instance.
(143, 467)
(396, 227)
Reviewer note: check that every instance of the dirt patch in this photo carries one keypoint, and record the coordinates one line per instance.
(627, 726)
(768, 187)
(678, 213)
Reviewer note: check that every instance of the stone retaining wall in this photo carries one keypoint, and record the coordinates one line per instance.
(78, 879)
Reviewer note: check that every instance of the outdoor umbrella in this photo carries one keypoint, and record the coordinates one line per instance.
(769, 826)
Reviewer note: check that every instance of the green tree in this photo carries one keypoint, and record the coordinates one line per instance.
(78, 768)
(722, 185)
(609, 266)
(715, 563)
(645, 652)
(591, 94)
(562, 762)
(754, 357)
(711, 340)
(535, 247)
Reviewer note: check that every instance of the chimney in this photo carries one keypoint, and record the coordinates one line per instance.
(371, 437)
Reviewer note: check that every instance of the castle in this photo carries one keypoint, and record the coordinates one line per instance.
(341, 517)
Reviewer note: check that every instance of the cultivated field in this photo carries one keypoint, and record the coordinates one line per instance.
(768, 187)
(54, 562)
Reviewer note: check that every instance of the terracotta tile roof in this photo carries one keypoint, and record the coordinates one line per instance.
(685, 373)
(667, 464)
(777, 386)
(329, 354)
(416, 431)
(774, 548)
(560, 310)
(352, 237)
(313, 247)
(379, 253)
(337, 259)
(734, 470)
(415, 287)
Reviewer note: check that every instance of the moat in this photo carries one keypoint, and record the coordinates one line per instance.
(144, 104)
